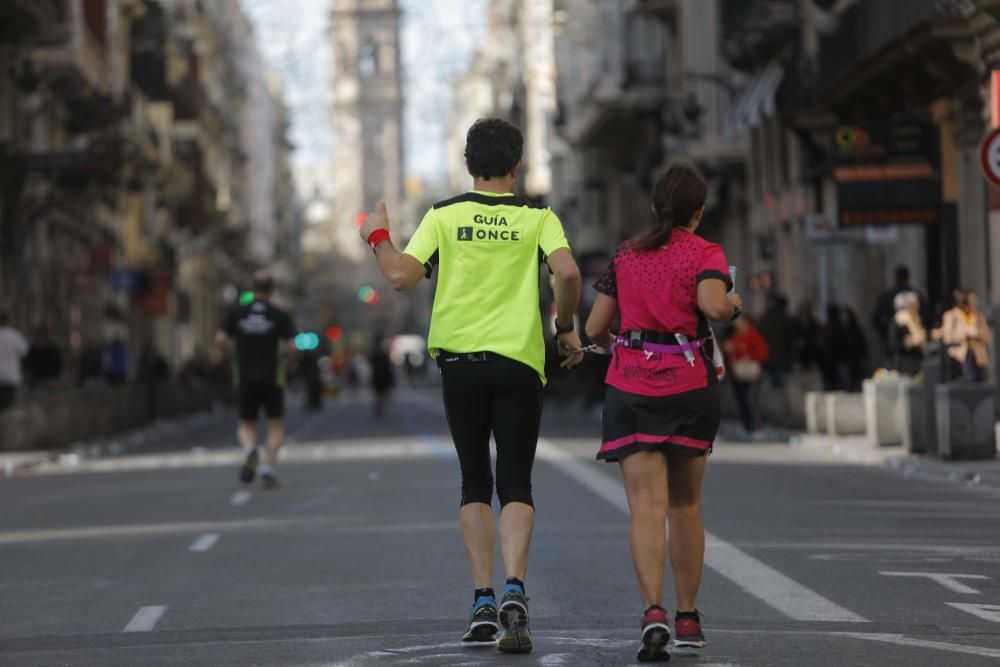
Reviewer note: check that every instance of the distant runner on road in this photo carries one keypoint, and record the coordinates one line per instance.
(661, 412)
(262, 333)
(486, 334)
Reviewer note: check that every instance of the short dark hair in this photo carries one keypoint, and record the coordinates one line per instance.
(263, 283)
(493, 147)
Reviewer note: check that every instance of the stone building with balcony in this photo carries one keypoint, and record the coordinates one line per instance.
(124, 190)
(820, 75)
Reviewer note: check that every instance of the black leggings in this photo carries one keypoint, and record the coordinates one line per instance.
(503, 397)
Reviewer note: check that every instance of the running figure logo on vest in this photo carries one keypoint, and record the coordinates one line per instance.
(256, 323)
(488, 229)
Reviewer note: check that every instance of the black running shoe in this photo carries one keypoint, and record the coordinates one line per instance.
(514, 618)
(249, 469)
(655, 636)
(482, 622)
(269, 480)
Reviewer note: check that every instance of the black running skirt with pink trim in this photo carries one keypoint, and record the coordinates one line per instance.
(684, 423)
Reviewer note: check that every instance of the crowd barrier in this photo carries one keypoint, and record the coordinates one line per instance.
(59, 417)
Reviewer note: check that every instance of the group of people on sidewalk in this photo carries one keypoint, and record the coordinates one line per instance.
(37, 362)
(902, 319)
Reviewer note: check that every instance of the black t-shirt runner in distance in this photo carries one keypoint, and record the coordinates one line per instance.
(259, 330)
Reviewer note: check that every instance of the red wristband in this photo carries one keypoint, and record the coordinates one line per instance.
(377, 237)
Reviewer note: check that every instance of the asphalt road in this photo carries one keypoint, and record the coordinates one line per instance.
(158, 556)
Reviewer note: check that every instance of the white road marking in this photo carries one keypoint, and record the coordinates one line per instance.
(949, 581)
(333, 524)
(326, 450)
(205, 542)
(987, 612)
(554, 659)
(923, 643)
(145, 619)
(762, 581)
(240, 498)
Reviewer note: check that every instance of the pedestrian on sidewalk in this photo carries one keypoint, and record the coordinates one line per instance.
(853, 366)
(748, 352)
(909, 338)
(486, 335)
(966, 332)
(263, 336)
(661, 411)
(885, 311)
(13, 348)
(808, 342)
(383, 376)
(778, 330)
(44, 363)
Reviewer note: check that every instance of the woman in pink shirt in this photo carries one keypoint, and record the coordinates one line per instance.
(661, 413)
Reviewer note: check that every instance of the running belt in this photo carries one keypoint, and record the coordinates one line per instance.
(657, 342)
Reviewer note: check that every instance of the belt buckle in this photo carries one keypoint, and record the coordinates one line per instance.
(635, 340)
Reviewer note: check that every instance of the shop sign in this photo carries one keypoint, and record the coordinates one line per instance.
(823, 229)
(887, 172)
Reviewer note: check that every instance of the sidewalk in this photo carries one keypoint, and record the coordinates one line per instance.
(857, 449)
(12, 463)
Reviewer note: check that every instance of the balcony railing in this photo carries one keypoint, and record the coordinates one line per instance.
(79, 61)
(870, 25)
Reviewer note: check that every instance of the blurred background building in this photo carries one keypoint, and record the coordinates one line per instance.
(143, 171)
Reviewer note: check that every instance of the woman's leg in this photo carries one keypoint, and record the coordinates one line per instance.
(645, 475)
(687, 534)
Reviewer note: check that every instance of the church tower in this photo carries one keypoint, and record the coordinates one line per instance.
(367, 114)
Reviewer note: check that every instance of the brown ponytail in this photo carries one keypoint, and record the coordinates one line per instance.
(677, 195)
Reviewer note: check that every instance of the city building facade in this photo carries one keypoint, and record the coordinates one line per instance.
(134, 155)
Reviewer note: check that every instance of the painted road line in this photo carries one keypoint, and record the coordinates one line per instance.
(759, 580)
(145, 619)
(900, 640)
(949, 581)
(987, 612)
(342, 525)
(205, 542)
(240, 498)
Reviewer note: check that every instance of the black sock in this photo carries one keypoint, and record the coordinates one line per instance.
(693, 615)
(516, 581)
(483, 593)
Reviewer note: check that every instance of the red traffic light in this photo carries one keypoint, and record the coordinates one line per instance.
(333, 334)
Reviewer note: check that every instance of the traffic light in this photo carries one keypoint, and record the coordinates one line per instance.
(368, 295)
(306, 341)
(334, 333)
(246, 298)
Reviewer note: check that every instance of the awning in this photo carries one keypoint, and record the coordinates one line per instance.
(757, 100)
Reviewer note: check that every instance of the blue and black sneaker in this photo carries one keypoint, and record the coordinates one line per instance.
(482, 622)
(514, 619)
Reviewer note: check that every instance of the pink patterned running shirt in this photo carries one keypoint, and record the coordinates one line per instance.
(657, 290)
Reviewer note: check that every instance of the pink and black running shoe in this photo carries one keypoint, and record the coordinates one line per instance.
(655, 636)
(687, 626)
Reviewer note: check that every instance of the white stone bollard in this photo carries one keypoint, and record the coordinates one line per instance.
(883, 402)
(845, 413)
(816, 411)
